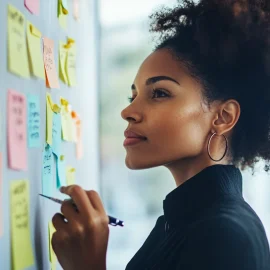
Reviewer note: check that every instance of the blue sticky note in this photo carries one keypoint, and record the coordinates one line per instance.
(56, 134)
(33, 123)
(61, 172)
(47, 171)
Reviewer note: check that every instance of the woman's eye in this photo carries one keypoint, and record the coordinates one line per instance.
(156, 93)
(159, 92)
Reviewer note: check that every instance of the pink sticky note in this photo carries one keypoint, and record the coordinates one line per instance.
(32, 6)
(17, 139)
(49, 64)
(1, 196)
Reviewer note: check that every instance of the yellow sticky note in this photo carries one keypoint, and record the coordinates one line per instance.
(70, 175)
(71, 65)
(68, 125)
(62, 62)
(34, 50)
(22, 252)
(62, 17)
(49, 118)
(17, 52)
(52, 255)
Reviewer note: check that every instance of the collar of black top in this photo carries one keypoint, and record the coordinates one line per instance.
(197, 194)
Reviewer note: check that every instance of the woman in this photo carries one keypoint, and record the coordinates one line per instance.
(200, 107)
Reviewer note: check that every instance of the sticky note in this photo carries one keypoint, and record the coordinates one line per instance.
(70, 175)
(78, 127)
(33, 121)
(32, 6)
(17, 52)
(52, 256)
(76, 9)
(47, 171)
(56, 134)
(16, 131)
(34, 51)
(71, 65)
(22, 252)
(62, 13)
(49, 118)
(68, 127)
(61, 171)
(49, 63)
(1, 195)
(62, 62)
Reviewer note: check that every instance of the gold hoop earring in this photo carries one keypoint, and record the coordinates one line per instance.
(209, 145)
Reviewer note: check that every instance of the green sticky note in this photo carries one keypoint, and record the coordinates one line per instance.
(71, 65)
(61, 16)
(22, 252)
(33, 121)
(70, 175)
(34, 51)
(49, 118)
(47, 171)
(62, 62)
(17, 52)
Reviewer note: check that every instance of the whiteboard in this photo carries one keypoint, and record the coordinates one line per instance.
(84, 100)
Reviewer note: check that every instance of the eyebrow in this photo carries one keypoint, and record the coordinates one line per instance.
(156, 79)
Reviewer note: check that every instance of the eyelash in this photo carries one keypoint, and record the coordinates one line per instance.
(154, 91)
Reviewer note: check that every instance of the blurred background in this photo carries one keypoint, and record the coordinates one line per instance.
(137, 196)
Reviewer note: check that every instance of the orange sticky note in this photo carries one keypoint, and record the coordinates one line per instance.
(78, 127)
(49, 63)
(17, 135)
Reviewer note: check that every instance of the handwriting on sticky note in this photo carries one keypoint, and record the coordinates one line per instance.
(49, 63)
(34, 50)
(56, 134)
(32, 6)
(71, 65)
(47, 171)
(49, 118)
(22, 252)
(78, 127)
(17, 52)
(17, 141)
(33, 121)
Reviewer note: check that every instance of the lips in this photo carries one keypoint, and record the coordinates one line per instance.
(132, 134)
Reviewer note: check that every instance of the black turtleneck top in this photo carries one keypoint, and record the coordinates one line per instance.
(207, 225)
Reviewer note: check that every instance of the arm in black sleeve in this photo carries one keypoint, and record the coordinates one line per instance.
(220, 244)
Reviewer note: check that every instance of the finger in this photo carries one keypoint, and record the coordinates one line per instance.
(59, 222)
(95, 200)
(69, 211)
(80, 198)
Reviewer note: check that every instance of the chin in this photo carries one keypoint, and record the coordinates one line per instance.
(136, 165)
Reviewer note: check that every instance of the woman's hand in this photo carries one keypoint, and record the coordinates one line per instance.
(81, 242)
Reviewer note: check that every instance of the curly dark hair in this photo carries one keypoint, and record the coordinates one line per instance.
(225, 46)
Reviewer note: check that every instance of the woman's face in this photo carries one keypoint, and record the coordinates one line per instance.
(168, 111)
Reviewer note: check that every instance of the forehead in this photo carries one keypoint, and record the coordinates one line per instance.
(160, 63)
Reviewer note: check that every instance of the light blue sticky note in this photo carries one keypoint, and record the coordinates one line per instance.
(61, 172)
(33, 123)
(47, 171)
(56, 134)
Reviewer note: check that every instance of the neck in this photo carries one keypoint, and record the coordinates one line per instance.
(184, 169)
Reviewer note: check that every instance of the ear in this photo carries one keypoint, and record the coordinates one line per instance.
(226, 117)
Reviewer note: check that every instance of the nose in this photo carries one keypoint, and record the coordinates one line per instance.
(131, 115)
